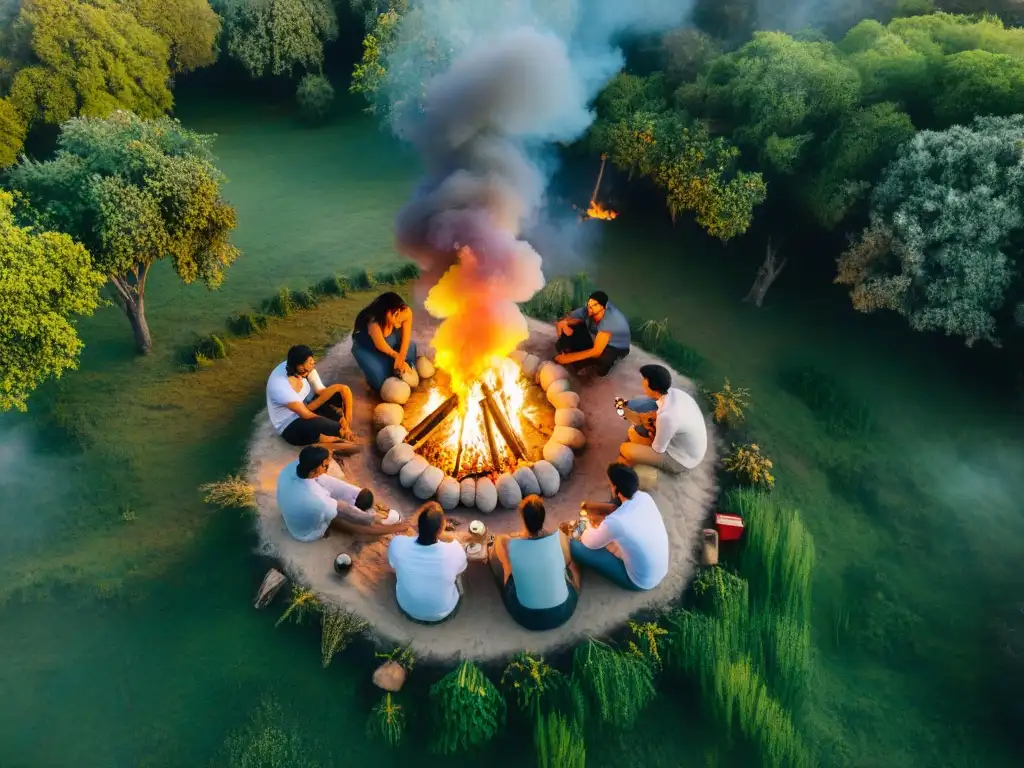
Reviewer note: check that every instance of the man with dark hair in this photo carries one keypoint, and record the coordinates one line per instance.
(311, 501)
(626, 541)
(677, 438)
(595, 335)
(428, 569)
(302, 410)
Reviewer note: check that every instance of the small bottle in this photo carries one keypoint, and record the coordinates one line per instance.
(583, 523)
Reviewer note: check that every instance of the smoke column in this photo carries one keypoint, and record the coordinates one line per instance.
(484, 134)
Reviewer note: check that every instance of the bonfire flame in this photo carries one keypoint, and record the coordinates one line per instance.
(598, 211)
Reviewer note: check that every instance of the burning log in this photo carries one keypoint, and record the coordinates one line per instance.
(458, 456)
(489, 429)
(432, 421)
(600, 175)
(514, 443)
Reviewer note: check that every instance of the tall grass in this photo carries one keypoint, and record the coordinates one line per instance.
(782, 650)
(843, 414)
(555, 300)
(559, 744)
(655, 337)
(266, 741)
(468, 709)
(618, 685)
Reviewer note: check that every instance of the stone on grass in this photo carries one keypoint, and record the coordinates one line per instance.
(509, 494)
(395, 390)
(390, 676)
(397, 458)
(386, 414)
(648, 477)
(565, 399)
(570, 417)
(709, 547)
(467, 492)
(547, 478)
(569, 436)
(486, 495)
(448, 493)
(391, 436)
(428, 483)
(411, 378)
(549, 373)
(530, 365)
(560, 456)
(559, 385)
(424, 367)
(410, 473)
(527, 481)
(268, 590)
(517, 356)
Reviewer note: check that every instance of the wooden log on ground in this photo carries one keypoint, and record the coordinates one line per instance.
(514, 443)
(432, 421)
(268, 590)
(489, 429)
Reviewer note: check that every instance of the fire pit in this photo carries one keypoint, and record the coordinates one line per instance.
(510, 433)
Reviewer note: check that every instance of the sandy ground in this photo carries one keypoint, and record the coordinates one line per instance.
(482, 629)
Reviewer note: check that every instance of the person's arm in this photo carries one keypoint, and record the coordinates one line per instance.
(403, 348)
(381, 343)
(574, 318)
(574, 570)
(665, 428)
(600, 342)
(461, 561)
(599, 509)
(315, 382)
(324, 395)
(598, 537)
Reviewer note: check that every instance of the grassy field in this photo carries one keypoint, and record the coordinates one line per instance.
(912, 509)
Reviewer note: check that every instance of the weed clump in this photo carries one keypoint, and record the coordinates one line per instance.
(304, 299)
(468, 709)
(750, 467)
(552, 302)
(618, 685)
(559, 743)
(266, 741)
(304, 603)
(387, 721)
(232, 491)
(332, 286)
(338, 628)
(248, 323)
(362, 280)
(831, 403)
(280, 305)
(728, 404)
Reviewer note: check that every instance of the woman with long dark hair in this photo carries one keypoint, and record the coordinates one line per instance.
(382, 339)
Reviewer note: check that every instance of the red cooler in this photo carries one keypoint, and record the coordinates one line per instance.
(729, 527)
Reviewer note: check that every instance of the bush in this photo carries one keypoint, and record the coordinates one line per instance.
(203, 351)
(387, 721)
(552, 302)
(655, 337)
(830, 402)
(468, 709)
(362, 281)
(618, 685)
(399, 275)
(281, 305)
(749, 466)
(248, 324)
(332, 286)
(232, 491)
(559, 744)
(315, 97)
(304, 299)
(265, 741)
(337, 628)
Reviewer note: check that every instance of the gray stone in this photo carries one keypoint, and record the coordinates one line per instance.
(486, 495)
(565, 400)
(386, 414)
(509, 494)
(570, 417)
(517, 356)
(424, 367)
(559, 385)
(527, 481)
(547, 478)
(448, 493)
(391, 436)
(467, 492)
(530, 365)
(397, 458)
(648, 477)
(411, 378)
(549, 373)
(395, 390)
(569, 436)
(428, 483)
(410, 473)
(560, 456)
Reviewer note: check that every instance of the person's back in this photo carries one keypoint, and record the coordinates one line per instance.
(306, 507)
(427, 569)
(538, 567)
(689, 440)
(639, 530)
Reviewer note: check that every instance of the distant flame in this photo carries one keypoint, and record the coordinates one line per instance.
(598, 211)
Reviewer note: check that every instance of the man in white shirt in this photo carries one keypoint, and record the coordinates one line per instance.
(680, 435)
(626, 541)
(428, 569)
(302, 410)
(311, 501)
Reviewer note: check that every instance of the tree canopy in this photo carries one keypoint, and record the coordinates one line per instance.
(190, 28)
(277, 37)
(134, 191)
(943, 247)
(46, 279)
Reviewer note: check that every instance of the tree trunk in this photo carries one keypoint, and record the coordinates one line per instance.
(770, 269)
(131, 288)
(137, 317)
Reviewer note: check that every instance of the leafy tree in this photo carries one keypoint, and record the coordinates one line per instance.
(315, 96)
(46, 278)
(88, 58)
(12, 133)
(945, 236)
(190, 28)
(979, 83)
(685, 53)
(276, 37)
(134, 191)
(697, 172)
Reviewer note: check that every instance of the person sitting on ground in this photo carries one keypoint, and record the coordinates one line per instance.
(680, 436)
(302, 410)
(428, 569)
(626, 541)
(382, 340)
(311, 501)
(538, 580)
(595, 335)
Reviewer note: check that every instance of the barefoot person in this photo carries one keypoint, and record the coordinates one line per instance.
(302, 410)
(627, 542)
(538, 580)
(382, 339)
(311, 501)
(679, 438)
(428, 569)
(596, 335)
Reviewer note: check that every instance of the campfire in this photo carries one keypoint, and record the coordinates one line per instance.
(491, 427)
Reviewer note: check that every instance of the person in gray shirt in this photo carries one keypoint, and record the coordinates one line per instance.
(595, 335)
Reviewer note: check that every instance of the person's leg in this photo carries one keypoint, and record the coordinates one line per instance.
(641, 405)
(635, 453)
(500, 553)
(376, 367)
(603, 562)
(357, 522)
(607, 359)
(319, 431)
(577, 342)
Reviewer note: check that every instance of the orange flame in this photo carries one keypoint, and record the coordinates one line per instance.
(598, 211)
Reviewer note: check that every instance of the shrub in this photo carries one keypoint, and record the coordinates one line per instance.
(304, 299)
(211, 347)
(529, 679)
(618, 685)
(304, 602)
(232, 491)
(559, 743)
(248, 324)
(647, 642)
(655, 337)
(748, 465)
(387, 721)
(362, 280)
(337, 630)
(728, 404)
(331, 286)
(552, 302)
(841, 413)
(468, 709)
(401, 274)
(281, 305)
(265, 741)
(651, 334)
(581, 289)
(315, 97)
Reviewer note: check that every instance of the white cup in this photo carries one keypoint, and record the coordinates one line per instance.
(477, 528)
